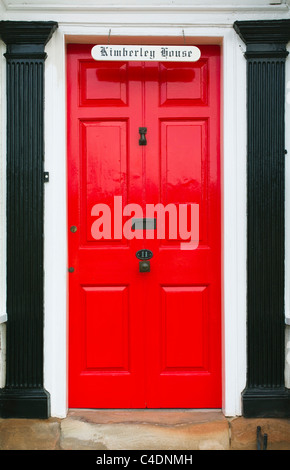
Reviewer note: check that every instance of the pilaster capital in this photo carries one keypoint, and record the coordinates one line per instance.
(264, 38)
(26, 39)
(27, 32)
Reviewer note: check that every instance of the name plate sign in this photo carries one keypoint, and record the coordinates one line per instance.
(146, 53)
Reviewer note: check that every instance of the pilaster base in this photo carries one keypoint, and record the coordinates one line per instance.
(266, 403)
(24, 403)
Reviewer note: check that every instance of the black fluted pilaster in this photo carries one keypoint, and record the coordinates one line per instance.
(265, 393)
(24, 395)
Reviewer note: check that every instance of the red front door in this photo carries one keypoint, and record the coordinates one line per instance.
(144, 339)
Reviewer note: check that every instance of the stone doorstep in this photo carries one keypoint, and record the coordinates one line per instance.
(146, 429)
(142, 430)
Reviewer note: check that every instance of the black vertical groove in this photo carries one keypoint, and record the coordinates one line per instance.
(24, 395)
(265, 393)
(266, 175)
(24, 225)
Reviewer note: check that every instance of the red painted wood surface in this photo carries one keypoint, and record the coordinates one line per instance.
(144, 339)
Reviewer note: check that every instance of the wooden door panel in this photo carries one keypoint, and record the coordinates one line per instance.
(106, 346)
(103, 84)
(104, 155)
(106, 314)
(184, 329)
(182, 116)
(144, 339)
(183, 168)
(194, 80)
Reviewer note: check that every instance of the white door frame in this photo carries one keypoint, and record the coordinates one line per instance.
(233, 205)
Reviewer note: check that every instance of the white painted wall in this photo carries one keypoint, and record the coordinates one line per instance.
(90, 12)
(3, 316)
(55, 228)
(287, 222)
(64, 5)
(210, 21)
